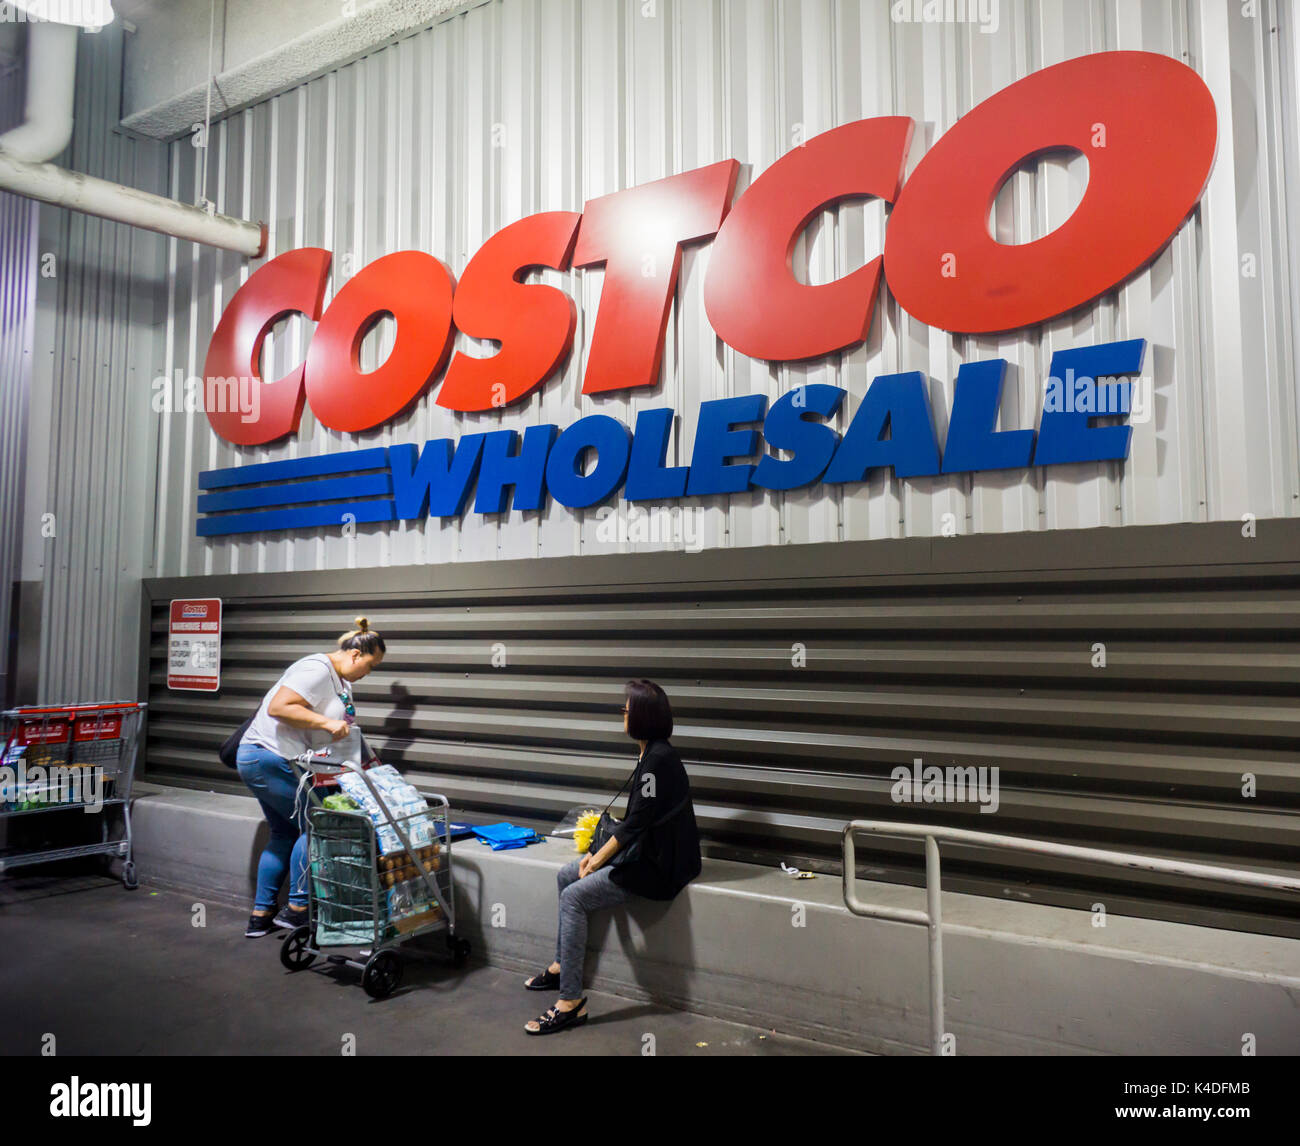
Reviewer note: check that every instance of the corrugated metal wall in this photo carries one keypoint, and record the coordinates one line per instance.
(397, 151)
(93, 433)
(802, 680)
(518, 106)
(17, 310)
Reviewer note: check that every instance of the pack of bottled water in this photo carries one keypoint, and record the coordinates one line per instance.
(402, 802)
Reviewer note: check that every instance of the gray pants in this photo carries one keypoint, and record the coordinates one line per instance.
(578, 899)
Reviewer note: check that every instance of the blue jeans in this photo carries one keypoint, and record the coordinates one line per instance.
(578, 899)
(272, 781)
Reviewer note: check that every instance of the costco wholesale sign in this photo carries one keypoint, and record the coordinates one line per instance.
(1146, 123)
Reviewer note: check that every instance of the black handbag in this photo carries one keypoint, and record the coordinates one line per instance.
(605, 828)
(229, 750)
(606, 824)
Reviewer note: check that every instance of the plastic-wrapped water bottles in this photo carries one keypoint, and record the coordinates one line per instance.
(403, 802)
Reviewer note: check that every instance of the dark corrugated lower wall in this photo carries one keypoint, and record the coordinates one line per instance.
(802, 676)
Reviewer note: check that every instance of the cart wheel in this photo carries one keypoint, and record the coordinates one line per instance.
(382, 975)
(129, 880)
(295, 952)
(459, 949)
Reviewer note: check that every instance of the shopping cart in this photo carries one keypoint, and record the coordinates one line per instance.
(372, 886)
(71, 757)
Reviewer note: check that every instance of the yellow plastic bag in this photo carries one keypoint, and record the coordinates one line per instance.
(586, 826)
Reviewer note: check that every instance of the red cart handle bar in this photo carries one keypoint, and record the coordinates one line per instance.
(111, 706)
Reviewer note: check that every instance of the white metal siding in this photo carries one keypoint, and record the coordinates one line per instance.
(396, 150)
(92, 429)
(17, 308)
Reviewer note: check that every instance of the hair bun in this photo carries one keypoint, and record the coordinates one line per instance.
(363, 639)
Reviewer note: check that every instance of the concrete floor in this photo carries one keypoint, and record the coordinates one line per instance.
(112, 972)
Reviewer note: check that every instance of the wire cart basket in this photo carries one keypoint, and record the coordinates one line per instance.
(66, 757)
(372, 886)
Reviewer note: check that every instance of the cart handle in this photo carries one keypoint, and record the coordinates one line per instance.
(63, 709)
(317, 762)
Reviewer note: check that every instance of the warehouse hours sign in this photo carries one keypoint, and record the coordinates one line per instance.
(194, 645)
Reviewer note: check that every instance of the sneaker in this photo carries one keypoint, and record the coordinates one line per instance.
(259, 925)
(291, 917)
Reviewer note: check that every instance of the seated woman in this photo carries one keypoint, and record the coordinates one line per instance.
(653, 852)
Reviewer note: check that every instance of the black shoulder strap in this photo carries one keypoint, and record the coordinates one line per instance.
(622, 789)
(662, 819)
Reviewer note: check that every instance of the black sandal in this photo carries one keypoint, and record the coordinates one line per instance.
(543, 981)
(556, 1020)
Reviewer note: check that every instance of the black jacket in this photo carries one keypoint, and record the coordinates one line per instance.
(665, 852)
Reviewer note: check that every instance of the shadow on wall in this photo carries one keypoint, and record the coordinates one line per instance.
(397, 728)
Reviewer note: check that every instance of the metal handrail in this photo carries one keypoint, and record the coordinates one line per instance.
(932, 917)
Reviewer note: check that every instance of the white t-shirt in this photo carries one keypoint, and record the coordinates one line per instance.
(313, 678)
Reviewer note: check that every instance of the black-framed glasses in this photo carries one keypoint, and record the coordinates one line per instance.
(348, 708)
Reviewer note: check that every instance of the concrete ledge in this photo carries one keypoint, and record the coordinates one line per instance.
(749, 944)
(205, 842)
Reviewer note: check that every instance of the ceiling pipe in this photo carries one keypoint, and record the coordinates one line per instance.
(93, 196)
(45, 131)
(51, 58)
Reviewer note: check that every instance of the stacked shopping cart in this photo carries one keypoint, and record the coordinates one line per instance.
(72, 757)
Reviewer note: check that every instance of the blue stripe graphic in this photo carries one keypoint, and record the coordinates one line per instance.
(369, 485)
(301, 517)
(352, 461)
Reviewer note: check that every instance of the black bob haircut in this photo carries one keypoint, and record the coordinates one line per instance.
(649, 715)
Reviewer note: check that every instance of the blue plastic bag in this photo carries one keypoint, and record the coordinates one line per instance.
(502, 836)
